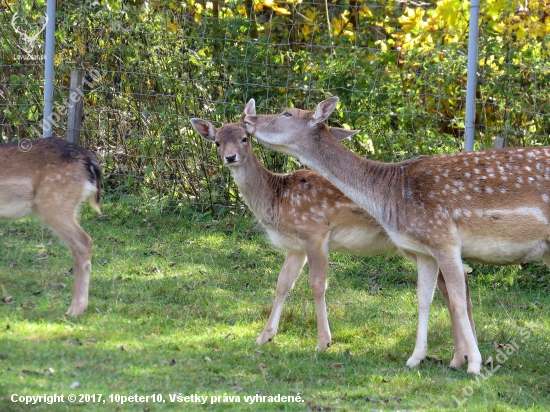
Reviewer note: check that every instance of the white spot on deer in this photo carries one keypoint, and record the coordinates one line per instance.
(457, 213)
(455, 191)
(476, 171)
(528, 168)
(437, 178)
(467, 213)
(467, 175)
(505, 178)
(521, 211)
(468, 197)
(489, 190)
(530, 154)
(545, 198)
(519, 179)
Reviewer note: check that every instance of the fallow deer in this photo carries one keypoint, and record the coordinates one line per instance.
(304, 214)
(490, 206)
(50, 178)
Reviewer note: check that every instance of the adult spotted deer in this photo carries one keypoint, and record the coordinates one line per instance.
(491, 206)
(49, 178)
(304, 214)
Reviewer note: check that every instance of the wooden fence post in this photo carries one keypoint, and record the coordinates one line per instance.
(76, 98)
(500, 142)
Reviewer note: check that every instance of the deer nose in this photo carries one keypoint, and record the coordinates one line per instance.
(231, 158)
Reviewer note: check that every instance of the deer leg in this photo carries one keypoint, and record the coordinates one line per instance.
(294, 262)
(80, 245)
(427, 276)
(458, 294)
(546, 258)
(460, 345)
(317, 257)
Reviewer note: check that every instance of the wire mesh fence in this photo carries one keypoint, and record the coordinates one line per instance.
(399, 68)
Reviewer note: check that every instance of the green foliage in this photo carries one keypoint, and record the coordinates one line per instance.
(399, 70)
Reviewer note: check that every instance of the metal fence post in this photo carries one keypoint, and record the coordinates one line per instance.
(472, 76)
(48, 70)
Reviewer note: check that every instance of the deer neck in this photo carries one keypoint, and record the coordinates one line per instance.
(371, 185)
(258, 187)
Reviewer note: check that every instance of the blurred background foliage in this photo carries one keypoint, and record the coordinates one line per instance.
(398, 66)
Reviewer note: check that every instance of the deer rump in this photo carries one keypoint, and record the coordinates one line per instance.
(49, 179)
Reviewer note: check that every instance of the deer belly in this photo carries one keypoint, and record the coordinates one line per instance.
(15, 198)
(503, 251)
(284, 241)
(360, 241)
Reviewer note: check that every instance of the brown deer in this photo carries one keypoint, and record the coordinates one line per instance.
(49, 178)
(304, 214)
(491, 206)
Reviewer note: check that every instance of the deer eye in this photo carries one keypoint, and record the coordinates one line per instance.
(287, 114)
(245, 139)
(217, 144)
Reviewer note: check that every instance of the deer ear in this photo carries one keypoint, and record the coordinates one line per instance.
(204, 128)
(341, 134)
(324, 109)
(250, 108)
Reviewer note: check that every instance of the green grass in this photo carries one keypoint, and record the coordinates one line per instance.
(176, 305)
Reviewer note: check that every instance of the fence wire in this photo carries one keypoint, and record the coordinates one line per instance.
(399, 68)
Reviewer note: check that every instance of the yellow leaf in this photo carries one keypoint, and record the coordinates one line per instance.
(280, 10)
(241, 10)
(365, 12)
(306, 30)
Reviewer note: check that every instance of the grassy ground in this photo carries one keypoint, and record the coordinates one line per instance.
(177, 302)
